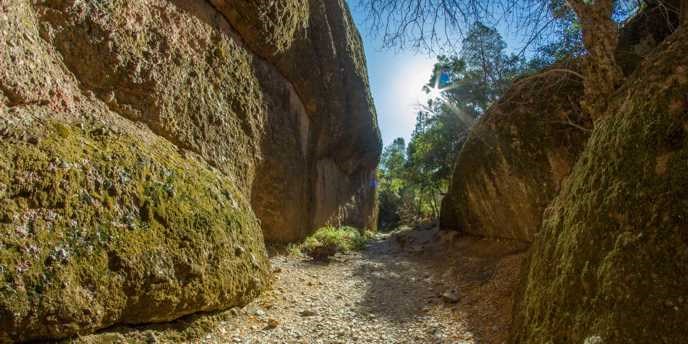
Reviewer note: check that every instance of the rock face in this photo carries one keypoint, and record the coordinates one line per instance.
(327, 69)
(145, 147)
(516, 157)
(610, 263)
(520, 152)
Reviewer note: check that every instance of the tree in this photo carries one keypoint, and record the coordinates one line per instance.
(424, 22)
(390, 182)
(600, 37)
(393, 159)
(413, 179)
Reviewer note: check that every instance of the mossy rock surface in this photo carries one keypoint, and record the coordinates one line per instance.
(97, 229)
(139, 146)
(172, 65)
(516, 157)
(610, 264)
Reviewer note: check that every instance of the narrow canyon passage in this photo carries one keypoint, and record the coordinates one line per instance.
(150, 149)
(406, 287)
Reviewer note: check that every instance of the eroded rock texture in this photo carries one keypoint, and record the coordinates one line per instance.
(147, 146)
(516, 158)
(327, 68)
(611, 262)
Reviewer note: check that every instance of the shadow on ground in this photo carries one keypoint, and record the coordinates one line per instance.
(409, 272)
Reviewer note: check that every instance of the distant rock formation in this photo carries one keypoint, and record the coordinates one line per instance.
(145, 147)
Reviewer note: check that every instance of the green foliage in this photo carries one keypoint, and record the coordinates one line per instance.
(391, 180)
(329, 240)
(565, 44)
(412, 179)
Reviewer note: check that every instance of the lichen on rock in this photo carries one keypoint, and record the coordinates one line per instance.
(100, 229)
(610, 261)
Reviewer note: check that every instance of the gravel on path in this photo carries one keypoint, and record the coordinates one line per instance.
(408, 287)
(412, 286)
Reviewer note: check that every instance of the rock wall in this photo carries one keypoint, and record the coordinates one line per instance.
(327, 68)
(610, 263)
(516, 157)
(149, 147)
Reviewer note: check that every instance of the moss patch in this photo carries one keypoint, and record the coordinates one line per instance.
(97, 228)
(166, 66)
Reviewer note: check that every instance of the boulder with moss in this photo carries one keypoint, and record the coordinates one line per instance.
(610, 264)
(138, 144)
(98, 228)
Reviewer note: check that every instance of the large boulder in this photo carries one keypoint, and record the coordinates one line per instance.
(522, 149)
(516, 157)
(146, 146)
(610, 264)
(117, 205)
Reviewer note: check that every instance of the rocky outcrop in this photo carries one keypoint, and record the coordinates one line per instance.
(609, 264)
(522, 149)
(327, 68)
(516, 157)
(147, 146)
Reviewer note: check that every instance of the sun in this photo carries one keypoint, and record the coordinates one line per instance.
(412, 76)
(434, 93)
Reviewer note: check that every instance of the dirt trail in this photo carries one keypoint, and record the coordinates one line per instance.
(392, 292)
(407, 287)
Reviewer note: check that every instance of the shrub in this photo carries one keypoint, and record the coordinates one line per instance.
(327, 241)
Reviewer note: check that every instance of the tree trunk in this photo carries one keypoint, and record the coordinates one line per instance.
(600, 37)
(684, 13)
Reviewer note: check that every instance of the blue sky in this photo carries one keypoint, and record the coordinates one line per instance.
(397, 77)
(396, 81)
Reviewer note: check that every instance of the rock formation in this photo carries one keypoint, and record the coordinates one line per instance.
(610, 262)
(520, 152)
(327, 68)
(516, 157)
(147, 146)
